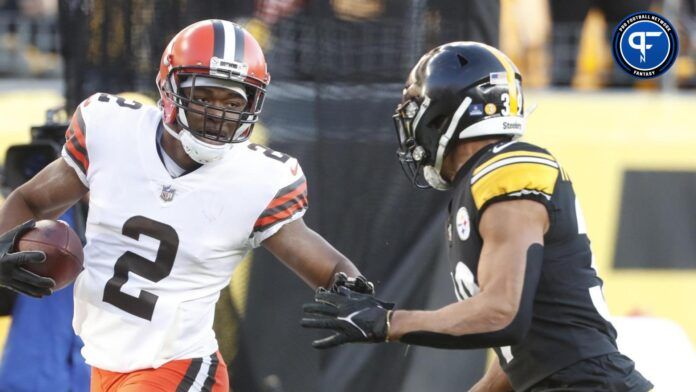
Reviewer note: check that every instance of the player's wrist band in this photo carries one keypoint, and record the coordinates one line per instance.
(389, 316)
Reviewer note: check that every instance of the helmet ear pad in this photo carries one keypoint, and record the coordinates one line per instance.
(430, 128)
(169, 111)
(166, 103)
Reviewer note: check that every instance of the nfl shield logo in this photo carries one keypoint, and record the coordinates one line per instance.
(167, 193)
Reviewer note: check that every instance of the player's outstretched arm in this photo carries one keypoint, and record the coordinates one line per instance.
(508, 273)
(499, 315)
(309, 255)
(46, 196)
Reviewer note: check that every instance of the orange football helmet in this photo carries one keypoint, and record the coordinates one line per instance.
(216, 49)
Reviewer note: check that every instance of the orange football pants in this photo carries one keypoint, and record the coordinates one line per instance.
(197, 374)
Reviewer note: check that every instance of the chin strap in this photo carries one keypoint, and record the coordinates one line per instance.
(434, 178)
(198, 150)
(433, 174)
(170, 131)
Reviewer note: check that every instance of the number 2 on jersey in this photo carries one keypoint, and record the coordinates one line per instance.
(143, 305)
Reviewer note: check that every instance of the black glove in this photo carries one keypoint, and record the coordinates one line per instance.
(12, 275)
(359, 284)
(353, 316)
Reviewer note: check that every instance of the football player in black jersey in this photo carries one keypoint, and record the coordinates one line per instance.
(519, 252)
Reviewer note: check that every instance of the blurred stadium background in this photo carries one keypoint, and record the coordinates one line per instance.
(337, 68)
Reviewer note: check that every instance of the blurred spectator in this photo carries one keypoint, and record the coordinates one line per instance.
(29, 38)
(524, 30)
(39, 8)
(334, 41)
(686, 64)
(111, 45)
(464, 20)
(364, 41)
(568, 18)
(8, 10)
(270, 11)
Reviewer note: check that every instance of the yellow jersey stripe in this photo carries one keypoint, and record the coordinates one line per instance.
(512, 82)
(517, 177)
(511, 161)
(510, 155)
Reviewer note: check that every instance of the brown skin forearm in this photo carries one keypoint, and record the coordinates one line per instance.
(309, 255)
(46, 196)
(480, 314)
(508, 229)
(14, 211)
(490, 310)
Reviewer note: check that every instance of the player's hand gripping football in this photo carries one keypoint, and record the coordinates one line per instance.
(12, 275)
(350, 315)
(359, 284)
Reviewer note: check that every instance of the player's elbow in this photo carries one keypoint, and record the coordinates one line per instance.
(20, 200)
(501, 314)
(511, 326)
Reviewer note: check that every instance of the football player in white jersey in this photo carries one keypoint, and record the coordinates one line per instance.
(177, 197)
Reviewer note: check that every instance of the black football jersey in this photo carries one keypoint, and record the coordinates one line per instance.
(570, 317)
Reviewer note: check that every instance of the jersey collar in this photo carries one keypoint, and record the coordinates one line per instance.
(469, 165)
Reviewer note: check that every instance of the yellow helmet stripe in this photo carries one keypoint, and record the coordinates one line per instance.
(510, 73)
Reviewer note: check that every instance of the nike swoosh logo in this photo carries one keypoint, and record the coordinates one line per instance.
(499, 148)
(349, 319)
(293, 170)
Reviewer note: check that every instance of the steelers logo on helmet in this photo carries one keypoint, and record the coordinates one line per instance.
(457, 91)
(645, 45)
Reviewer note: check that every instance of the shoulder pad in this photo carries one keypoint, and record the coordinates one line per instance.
(514, 169)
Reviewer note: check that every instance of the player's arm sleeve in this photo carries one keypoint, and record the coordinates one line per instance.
(516, 175)
(289, 203)
(511, 334)
(74, 150)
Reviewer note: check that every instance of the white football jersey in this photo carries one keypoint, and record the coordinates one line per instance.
(160, 249)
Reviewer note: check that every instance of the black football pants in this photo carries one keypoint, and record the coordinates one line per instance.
(611, 373)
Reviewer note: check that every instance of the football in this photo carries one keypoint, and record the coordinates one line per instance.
(62, 247)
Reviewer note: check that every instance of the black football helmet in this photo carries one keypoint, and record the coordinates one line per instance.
(460, 90)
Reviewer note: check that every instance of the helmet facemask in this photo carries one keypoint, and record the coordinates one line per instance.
(411, 155)
(422, 163)
(220, 124)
